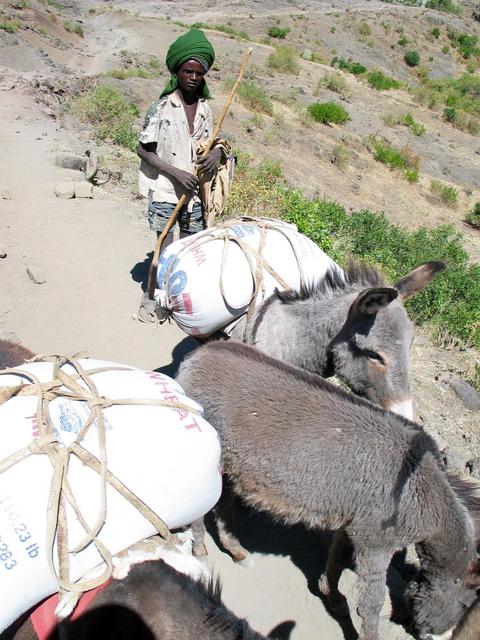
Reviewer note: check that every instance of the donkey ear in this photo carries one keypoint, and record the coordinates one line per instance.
(418, 279)
(370, 301)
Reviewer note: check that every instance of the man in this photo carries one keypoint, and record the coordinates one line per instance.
(174, 127)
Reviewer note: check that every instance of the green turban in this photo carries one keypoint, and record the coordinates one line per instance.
(193, 44)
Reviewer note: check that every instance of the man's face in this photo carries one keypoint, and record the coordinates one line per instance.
(190, 76)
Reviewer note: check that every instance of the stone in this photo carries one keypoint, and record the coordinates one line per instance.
(467, 394)
(454, 460)
(83, 190)
(36, 275)
(3, 253)
(70, 161)
(6, 195)
(473, 466)
(65, 190)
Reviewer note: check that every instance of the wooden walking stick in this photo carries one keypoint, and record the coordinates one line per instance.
(152, 274)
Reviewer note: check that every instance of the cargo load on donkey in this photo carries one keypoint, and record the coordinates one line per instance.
(94, 456)
(208, 282)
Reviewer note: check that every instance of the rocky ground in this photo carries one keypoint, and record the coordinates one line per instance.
(72, 268)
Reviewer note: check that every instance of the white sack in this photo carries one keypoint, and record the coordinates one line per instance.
(190, 272)
(168, 457)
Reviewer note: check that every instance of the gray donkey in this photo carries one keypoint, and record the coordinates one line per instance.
(351, 325)
(306, 451)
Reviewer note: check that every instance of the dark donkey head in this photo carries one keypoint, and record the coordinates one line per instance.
(350, 324)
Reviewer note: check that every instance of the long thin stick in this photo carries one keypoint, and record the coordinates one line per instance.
(152, 275)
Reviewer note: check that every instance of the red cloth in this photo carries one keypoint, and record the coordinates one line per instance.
(43, 617)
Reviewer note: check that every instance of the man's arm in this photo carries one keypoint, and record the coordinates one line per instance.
(147, 152)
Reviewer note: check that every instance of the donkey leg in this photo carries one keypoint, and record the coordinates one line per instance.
(339, 554)
(225, 526)
(371, 569)
(198, 529)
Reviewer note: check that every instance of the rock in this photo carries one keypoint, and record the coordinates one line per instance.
(65, 190)
(71, 174)
(70, 161)
(35, 275)
(83, 190)
(3, 253)
(6, 195)
(473, 466)
(453, 459)
(467, 394)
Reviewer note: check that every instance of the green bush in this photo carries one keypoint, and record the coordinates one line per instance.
(402, 160)
(443, 5)
(466, 43)
(473, 216)
(326, 112)
(334, 82)
(348, 65)
(110, 113)
(10, 26)
(134, 72)
(284, 60)
(254, 97)
(449, 303)
(74, 27)
(414, 126)
(380, 81)
(278, 32)
(412, 58)
(449, 114)
(403, 41)
(435, 33)
(446, 194)
(19, 4)
(365, 29)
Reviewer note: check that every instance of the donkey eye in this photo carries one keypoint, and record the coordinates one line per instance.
(374, 356)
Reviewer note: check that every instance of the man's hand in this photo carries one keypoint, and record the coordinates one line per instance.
(208, 164)
(187, 180)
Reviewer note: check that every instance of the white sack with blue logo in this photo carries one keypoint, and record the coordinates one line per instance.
(168, 457)
(208, 280)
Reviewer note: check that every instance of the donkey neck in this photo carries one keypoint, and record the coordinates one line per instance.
(299, 331)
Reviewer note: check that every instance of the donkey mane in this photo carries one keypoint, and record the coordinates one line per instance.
(467, 491)
(356, 274)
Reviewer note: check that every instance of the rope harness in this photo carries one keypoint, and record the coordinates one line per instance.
(47, 443)
(255, 258)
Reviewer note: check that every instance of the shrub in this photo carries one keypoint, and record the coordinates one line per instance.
(443, 5)
(254, 97)
(403, 41)
(326, 112)
(348, 65)
(334, 82)
(340, 156)
(473, 216)
(446, 194)
(74, 27)
(445, 49)
(435, 33)
(10, 27)
(364, 29)
(19, 4)
(466, 43)
(414, 126)
(402, 160)
(278, 32)
(284, 60)
(412, 58)
(134, 72)
(380, 81)
(110, 113)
